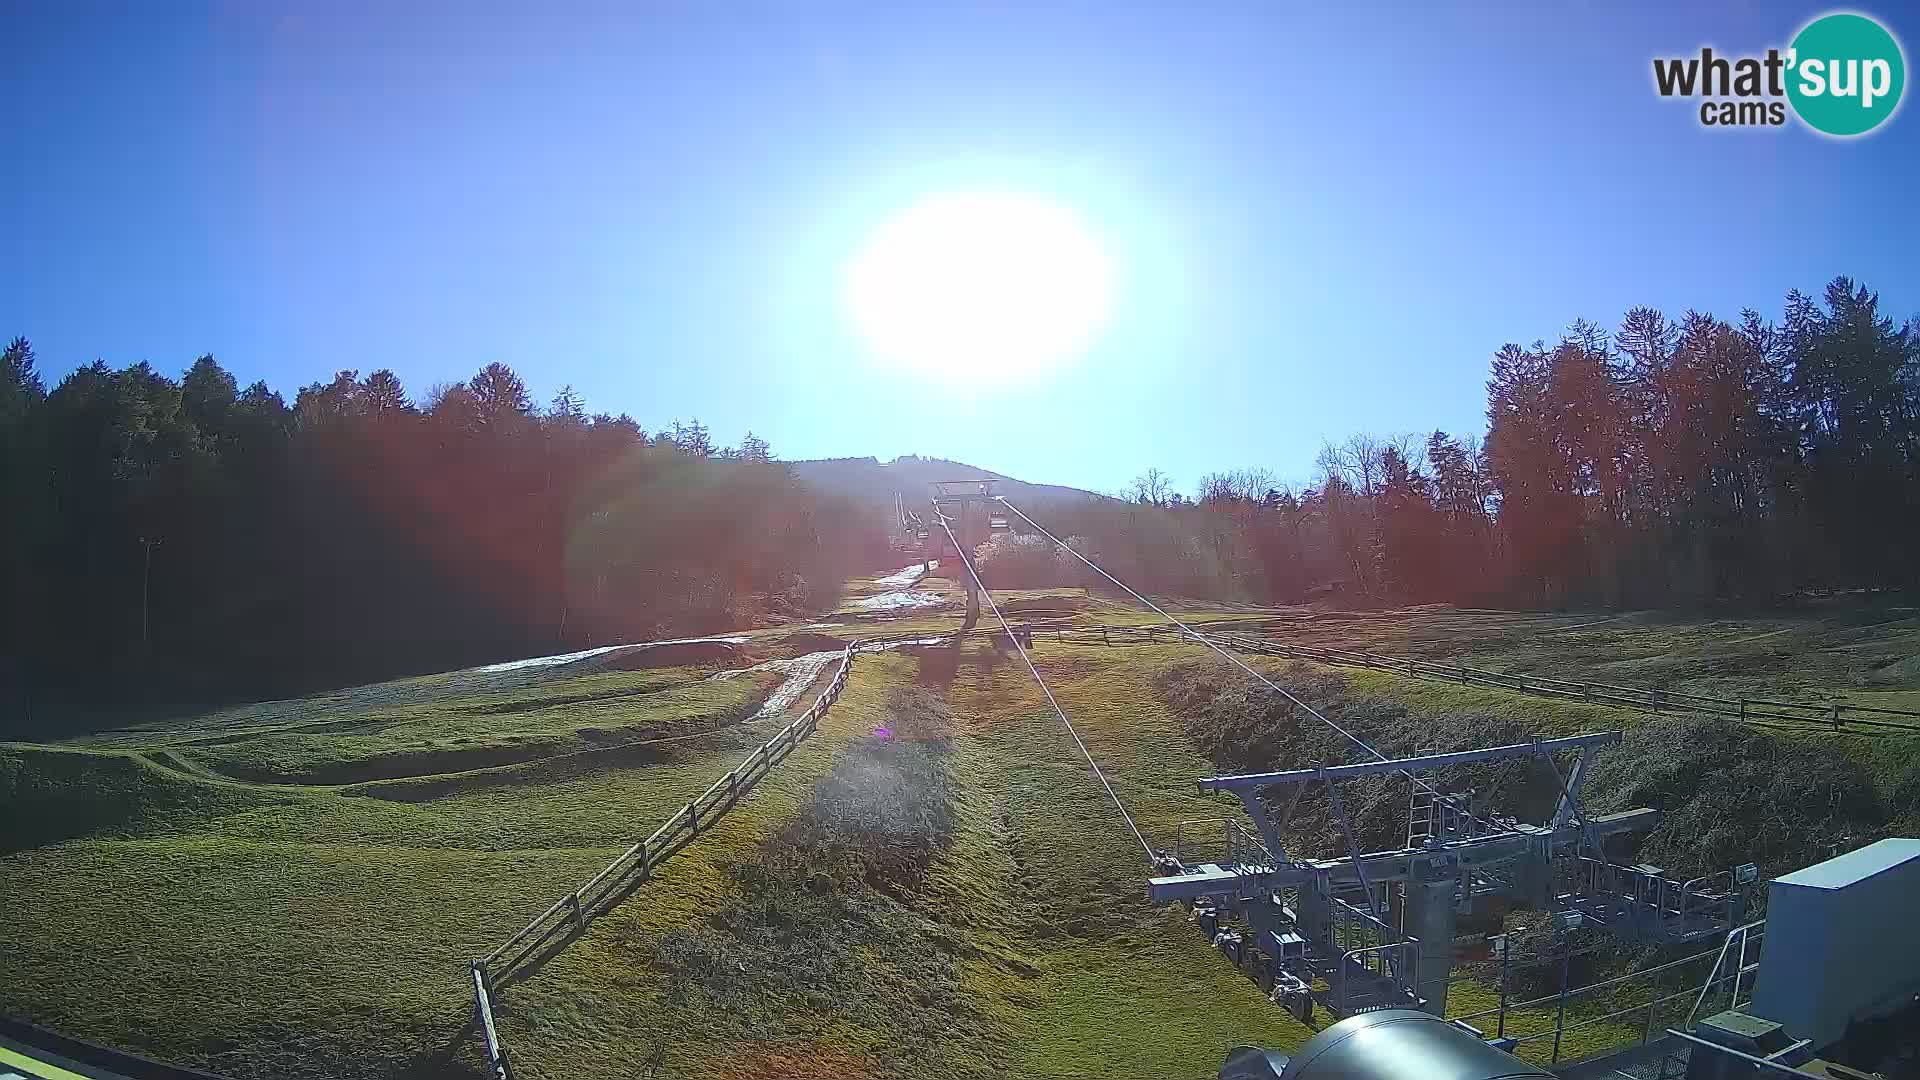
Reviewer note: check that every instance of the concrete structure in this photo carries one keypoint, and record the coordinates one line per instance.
(1840, 942)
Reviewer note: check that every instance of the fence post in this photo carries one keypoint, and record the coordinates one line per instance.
(579, 916)
(1743, 710)
(1506, 966)
(495, 1053)
(1739, 969)
(1560, 1025)
(1836, 716)
(693, 817)
(646, 862)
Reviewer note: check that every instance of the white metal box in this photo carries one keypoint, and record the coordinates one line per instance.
(1842, 942)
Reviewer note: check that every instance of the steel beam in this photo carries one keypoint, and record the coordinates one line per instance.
(1268, 833)
(1412, 764)
(1382, 866)
(1569, 807)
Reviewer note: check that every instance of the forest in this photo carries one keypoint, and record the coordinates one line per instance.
(192, 540)
(1679, 463)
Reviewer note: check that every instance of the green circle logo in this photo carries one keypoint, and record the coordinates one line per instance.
(1845, 74)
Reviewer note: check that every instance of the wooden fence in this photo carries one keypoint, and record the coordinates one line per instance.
(635, 865)
(571, 913)
(1832, 715)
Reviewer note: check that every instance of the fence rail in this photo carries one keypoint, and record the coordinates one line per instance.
(636, 864)
(1640, 1004)
(1832, 715)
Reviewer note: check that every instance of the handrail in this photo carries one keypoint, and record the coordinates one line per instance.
(1387, 967)
(1591, 987)
(1559, 1030)
(1561, 1027)
(1180, 833)
(1742, 932)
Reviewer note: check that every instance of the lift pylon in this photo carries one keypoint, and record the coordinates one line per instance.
(968, 507)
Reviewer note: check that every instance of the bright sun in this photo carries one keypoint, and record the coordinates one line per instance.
(982, 285)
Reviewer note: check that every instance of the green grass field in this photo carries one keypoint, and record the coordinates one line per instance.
(294, 888)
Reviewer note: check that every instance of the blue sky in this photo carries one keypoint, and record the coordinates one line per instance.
(1323, 219)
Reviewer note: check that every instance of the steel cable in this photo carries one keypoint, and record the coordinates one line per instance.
(1222, 650)
(967, 562)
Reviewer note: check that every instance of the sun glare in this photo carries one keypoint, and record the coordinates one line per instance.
(980, 286)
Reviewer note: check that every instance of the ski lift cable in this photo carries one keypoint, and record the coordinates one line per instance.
(1221, 649)
(967, 561)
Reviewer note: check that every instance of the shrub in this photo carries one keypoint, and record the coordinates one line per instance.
(1243, 726)
(1728, 794)
(1018, 561)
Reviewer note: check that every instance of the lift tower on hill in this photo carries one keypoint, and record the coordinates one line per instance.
(971, 510)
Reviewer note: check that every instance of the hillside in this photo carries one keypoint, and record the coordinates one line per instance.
(872, 481)
(929, 886)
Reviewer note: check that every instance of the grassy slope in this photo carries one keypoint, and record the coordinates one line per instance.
(231, 892)
(305, 930)
(596, 1008)
(309, 930)
(1868, 655)
(1123, 989)
(1865, 655)
(1039, 899)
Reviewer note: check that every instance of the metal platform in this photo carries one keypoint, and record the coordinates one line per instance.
(1641, 903)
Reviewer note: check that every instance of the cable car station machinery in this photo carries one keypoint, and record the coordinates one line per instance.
(1374, 930)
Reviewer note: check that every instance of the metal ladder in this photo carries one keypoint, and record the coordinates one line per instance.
(1421, 816)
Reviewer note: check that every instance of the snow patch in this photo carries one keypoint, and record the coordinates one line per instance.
(907, 643)
(900, 601)
(544, 661)
(801, 671)
(567, 658)
(904, 578)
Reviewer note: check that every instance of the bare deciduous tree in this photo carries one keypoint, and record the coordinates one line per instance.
(1152, 487)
